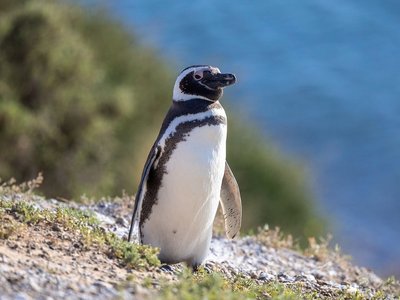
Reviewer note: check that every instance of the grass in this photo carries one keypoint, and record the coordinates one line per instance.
(318, 248)
(15, 214)
(11, 188)
(275, 238)
(132, 255)
(202, 285)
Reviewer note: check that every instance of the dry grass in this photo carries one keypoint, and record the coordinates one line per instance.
(12, 187)
(274, 238)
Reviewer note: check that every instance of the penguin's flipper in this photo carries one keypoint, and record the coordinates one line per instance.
(231, 203)
(153, 155)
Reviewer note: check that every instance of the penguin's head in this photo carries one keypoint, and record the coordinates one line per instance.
(204, 82)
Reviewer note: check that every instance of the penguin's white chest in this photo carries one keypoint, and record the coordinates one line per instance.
(181, 221)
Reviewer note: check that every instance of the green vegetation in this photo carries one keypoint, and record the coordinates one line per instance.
(132, 255)
(15, 214)
(202, 285)
(73, 92)
(82, 102)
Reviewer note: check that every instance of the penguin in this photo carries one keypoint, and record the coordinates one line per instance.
(186, 174)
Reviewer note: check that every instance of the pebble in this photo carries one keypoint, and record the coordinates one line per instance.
(34, 285)
(265, 276)
(282, 277)
(121, 221)
(310, 278)
(352, 290)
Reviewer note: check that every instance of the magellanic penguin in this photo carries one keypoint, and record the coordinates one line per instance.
(186, 174)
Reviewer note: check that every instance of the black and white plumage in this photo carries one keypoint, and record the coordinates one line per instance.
(186, 174)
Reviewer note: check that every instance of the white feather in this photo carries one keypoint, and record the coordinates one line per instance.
(181, 222)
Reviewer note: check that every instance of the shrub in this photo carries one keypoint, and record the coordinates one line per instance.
(70, 106)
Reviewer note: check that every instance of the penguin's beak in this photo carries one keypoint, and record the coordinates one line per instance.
(219, 80)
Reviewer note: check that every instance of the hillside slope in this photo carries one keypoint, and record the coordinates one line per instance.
(52, 248)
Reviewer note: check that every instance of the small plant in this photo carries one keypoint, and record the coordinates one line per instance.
(274, 238)
(8, 226)
(131, 255)
(321, 250)
(11, 186)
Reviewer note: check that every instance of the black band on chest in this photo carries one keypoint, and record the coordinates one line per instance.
(154, 179)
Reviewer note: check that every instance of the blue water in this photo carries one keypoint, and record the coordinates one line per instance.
(321, 79)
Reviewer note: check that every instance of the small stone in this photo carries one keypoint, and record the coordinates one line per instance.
(55, 227)
(3, 259)
(265, 276)
(318, 275)
(253, 275)
(285, 278)
(310, 278)
(12, 245)
(323, 283)
(120, 221)
(332, 273)
(352, 290)
(34, 285)
(300, 278)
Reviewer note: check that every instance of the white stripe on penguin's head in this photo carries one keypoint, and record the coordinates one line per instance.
(188, 86)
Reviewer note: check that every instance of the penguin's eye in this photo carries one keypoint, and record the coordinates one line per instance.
(198, 75)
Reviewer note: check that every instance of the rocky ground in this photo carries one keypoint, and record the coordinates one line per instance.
(46, 261)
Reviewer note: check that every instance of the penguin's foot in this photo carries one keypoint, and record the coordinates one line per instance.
(167, 269)
(208, 267)
(195, 268)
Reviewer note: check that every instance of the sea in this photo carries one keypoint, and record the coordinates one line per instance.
(321, 79)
